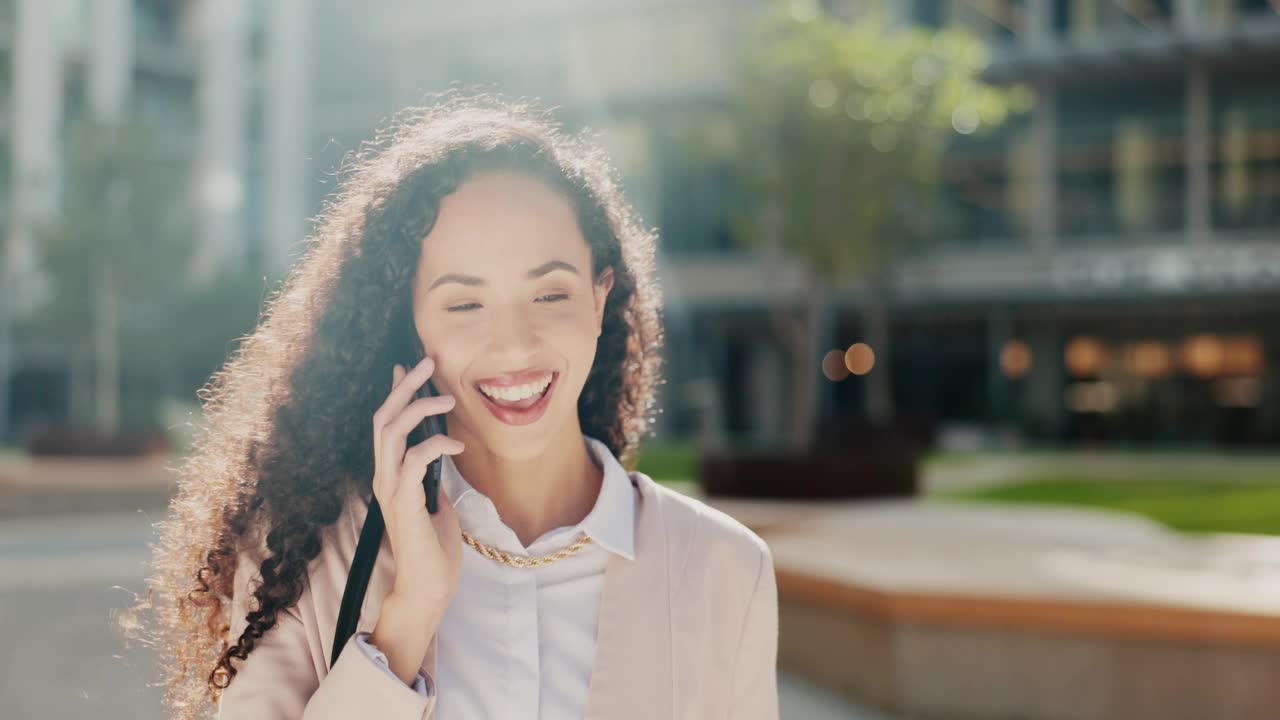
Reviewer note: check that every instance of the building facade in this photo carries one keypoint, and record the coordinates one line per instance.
(1109, 261)
(220, 87)
(1115, 262)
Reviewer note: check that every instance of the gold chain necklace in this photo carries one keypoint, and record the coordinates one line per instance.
(521, 561)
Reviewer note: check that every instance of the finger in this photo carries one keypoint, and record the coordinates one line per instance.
(416, 412)
(409, 495)
(395, 436)
(384, 485)
(402, 392)
(422, 454)
(444, 511)
(383, 413)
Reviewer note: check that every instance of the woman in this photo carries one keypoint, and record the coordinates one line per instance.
(551, 582)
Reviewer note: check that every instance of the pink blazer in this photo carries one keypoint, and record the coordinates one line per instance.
(689, 629)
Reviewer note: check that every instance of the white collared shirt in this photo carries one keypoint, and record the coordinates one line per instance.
(520, 642)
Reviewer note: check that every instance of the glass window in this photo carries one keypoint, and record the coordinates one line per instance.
(987, 185)
(991, 20)
(695, 197)
(164, 102)
(1121, 163)
(1234, 12)
(155, 21)
(1245, 163)
(1081, 19)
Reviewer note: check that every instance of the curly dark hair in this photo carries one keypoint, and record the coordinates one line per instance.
(279, 453)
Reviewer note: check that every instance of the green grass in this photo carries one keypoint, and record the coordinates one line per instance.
(667, 461)
(952, 459)
(1217, 505)
(1192, 493)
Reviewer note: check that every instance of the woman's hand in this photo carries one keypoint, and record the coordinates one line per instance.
(427, 548)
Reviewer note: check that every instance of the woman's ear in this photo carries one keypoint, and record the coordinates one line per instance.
(602, 286)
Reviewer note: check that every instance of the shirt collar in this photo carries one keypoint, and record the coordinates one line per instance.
(610, 523)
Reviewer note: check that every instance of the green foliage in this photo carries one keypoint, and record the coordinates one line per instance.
(210, 323)
(842, 126)
(123, 205)
(667, 461)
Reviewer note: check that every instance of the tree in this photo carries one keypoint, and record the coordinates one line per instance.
(117, 258)
(841, 127)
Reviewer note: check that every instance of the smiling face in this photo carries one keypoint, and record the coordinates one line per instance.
(506, 305)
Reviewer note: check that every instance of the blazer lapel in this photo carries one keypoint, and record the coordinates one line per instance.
(632, 673)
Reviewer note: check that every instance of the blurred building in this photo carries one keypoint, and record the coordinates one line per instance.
(1111, 259)
(1108, 271)
(633, 71)
(1114, 261)
(220, 85)
(61, 62)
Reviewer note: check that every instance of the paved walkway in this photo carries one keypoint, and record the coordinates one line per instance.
(1206, 587)
(959, 609)
(64, 577)
(41, 486)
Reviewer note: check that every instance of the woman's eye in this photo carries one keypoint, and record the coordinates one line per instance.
(551, 297)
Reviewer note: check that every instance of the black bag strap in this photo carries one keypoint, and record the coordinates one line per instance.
(367, 553)
(358, 578)
(374, 526)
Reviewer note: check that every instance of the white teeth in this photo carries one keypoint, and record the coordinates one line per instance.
(515, 393)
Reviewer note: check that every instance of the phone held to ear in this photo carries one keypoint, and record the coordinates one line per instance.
(431, 425)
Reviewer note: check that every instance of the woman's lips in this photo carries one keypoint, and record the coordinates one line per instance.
(520, 413)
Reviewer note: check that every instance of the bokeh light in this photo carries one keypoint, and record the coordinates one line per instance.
(1092, 397)
(833, 366)
(822, 93)
(860, 358)
(965, 119)
(1015, 359)
(1202, 355)
(1149, 359)
(1085, 356)
(1243, 356)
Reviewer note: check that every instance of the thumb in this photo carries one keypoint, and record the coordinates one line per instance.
(445, 513)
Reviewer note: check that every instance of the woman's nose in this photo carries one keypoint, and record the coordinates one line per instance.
(514, 339)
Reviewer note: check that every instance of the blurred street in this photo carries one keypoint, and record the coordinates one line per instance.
(63, 578)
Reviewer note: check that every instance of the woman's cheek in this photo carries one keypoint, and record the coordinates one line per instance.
(562, 331)
(450, 359)
(577, 338)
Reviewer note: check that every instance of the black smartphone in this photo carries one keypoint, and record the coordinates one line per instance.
(431, 425)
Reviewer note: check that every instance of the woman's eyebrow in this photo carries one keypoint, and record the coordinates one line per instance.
(472, 280)
(456, 278)
(550, 265)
